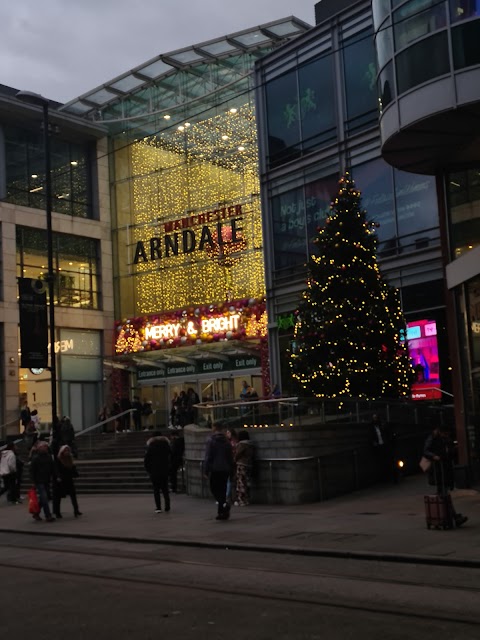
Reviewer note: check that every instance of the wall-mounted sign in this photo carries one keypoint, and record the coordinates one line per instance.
(211, 367)
(220, 230)
(423, 350)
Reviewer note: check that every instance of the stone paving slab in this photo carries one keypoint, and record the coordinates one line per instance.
(379, 520)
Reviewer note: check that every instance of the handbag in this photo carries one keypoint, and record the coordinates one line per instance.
(425, 464)
(33, 504)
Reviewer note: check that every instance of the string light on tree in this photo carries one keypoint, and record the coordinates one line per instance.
(349, 323)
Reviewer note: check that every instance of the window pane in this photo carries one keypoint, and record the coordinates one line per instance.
(289, 240)
(416, 19)
(360, 77)
(465, 39)
(318, 197)
(386, 86)
(283, 118)
(422, 61)
(374, 180)
(417, 212)
(463, 9)
(317, 103)
(463, 190)
(25, 172)
(75, 263)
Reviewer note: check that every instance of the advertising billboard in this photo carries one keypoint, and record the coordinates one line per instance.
(423, 349)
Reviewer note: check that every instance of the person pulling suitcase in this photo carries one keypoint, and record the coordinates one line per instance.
(439, 450)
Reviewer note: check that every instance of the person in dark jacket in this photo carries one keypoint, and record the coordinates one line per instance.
(137, 415)
(218, 467)
(42, 474)
(157, 465)
(67, 435)
(177, 446)
(64, 485)
(439, 448)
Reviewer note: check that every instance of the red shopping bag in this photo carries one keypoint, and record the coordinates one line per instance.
(33, 506)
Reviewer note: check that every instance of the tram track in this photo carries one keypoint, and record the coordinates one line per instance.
(51, 559)
(234, 567)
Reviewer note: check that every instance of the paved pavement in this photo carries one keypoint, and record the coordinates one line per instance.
(385, 521)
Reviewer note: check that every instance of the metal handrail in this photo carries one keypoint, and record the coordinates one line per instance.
(220, 404)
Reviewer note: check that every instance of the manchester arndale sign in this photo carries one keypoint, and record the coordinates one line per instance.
(211, 230)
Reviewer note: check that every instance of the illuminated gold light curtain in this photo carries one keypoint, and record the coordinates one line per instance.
(184, 173)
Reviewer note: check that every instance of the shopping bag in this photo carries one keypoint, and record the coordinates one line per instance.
(33, 505)
(425, 464)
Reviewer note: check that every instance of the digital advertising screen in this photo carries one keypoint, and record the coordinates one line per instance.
(423, 350)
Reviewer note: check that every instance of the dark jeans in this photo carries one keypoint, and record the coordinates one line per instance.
(137, 421)
(42, 491)
(57, 498)
(160, 483)
(10, 487)
(218, 487)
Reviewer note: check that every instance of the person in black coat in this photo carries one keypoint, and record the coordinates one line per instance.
(439, 448)
(64, 483)
(218, 467)
(177, 447)
(157, 464)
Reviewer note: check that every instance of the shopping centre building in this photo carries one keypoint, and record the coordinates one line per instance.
(188, 259)
(218, 163)
(318, 101)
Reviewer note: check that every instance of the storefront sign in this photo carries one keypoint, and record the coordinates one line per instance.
(181, 238)
(192, 328)
(211, 367)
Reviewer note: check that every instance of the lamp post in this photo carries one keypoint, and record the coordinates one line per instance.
(39, 101)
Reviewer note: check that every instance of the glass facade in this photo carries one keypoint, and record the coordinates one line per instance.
(296, 216)
(25, 172)
(360, 81)
(301, 110)
(414, 35)
(403, 204)
(76, 265)
(463, 189)
(191, 208)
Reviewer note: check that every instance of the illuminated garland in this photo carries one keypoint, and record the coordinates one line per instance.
(244, 319)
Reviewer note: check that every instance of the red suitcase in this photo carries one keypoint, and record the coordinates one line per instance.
(439, 512)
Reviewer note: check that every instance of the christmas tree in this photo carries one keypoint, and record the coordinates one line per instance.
(350, 331)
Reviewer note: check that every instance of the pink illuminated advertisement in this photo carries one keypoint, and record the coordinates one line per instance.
(423, 349)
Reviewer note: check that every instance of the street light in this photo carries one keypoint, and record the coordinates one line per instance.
(39, 101)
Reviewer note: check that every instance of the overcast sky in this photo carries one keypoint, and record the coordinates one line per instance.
(63, 48)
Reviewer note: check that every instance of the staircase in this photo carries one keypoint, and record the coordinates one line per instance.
(109, 463)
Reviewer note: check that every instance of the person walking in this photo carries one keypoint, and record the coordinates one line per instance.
(244, 454)
(231, 484)
(8, 472)
(156, 462)
(177, 446)
(137, 414)
(67, 435)
(64, 484)
(42, 474)
(439, 449)
(218, 467)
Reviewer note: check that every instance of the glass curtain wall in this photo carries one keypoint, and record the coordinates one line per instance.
(463, 190)
(301, 110)
(25, 173)
(76, 266)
